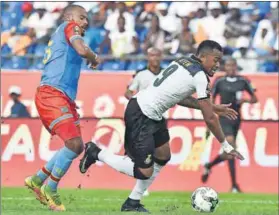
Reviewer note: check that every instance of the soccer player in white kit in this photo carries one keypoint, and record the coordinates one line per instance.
(146, 137)
(144, 77)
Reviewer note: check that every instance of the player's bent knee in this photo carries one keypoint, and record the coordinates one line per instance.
(143, 174)
(75, 145)
(162, 162)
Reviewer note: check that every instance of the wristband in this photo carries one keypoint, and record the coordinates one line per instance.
(227, 147)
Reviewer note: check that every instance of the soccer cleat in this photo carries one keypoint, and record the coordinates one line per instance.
(133, 205)
(34, 183)
(236, 189)
(53, 199)
(206, 173)
(90, 156)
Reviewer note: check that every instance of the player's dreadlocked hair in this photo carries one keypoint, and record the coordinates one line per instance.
(208, 46)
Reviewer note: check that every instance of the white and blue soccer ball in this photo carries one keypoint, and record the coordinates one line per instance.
(204, 199)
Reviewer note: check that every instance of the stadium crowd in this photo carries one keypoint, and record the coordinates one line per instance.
(123, 31)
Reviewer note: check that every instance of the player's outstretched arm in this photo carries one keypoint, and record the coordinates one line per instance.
(190, 102)
(221, 110)
(213, 124)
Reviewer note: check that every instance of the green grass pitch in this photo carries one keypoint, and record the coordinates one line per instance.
(20, 201)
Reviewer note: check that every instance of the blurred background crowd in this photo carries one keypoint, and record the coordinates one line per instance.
(123, 31)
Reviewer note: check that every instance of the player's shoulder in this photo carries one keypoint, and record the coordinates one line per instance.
(140, 71)
(192, 64)
(220, 79)
(242, 78)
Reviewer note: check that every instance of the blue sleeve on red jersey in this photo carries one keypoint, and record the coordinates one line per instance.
(72, 31)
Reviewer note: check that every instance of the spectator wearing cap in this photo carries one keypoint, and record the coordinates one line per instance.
(215, 24)
(112, 19)
(245, 56)
(235, 26)
(27, 9)
(168, 22)
(262, 38)
(182, 9)
(18, 110)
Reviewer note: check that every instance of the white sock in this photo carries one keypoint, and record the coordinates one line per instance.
(122, 164)
(142, 185)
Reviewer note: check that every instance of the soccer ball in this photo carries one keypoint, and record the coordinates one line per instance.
(204, 199)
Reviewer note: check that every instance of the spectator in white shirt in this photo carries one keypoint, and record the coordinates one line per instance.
(214, 25)
(263, 36)
(121, 41)
(245, 56)
(111, 23)
(168, 22)
(182, 9)
(235, 26)
(41, 21)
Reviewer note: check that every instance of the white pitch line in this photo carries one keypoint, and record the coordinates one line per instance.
(269, 202)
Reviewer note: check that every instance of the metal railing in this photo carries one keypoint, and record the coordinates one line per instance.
(135, 57)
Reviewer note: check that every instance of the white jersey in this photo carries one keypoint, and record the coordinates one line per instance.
(142, 79)
(180, 79)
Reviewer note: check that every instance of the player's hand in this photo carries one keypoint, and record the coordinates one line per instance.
(224, 110)
(235, 154)
(93, 65)
(97, 62)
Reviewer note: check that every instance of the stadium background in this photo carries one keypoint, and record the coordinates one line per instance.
(26, 144)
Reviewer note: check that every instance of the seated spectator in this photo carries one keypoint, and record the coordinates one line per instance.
(235, 26)
(215, 24)
(262, 37)
(88, 6)
(112, 19)
(245, 56)
(98, 18)
(18, 110)
(168, 22)
(121, 41)
(18, 43)
(274, 42)
(41, 21)
(195, 24)
(184, 43)
(182, 9)
(155, 37)
(144, 16)
(6, 35)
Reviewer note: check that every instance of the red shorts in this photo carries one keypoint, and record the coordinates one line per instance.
(57, 112)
